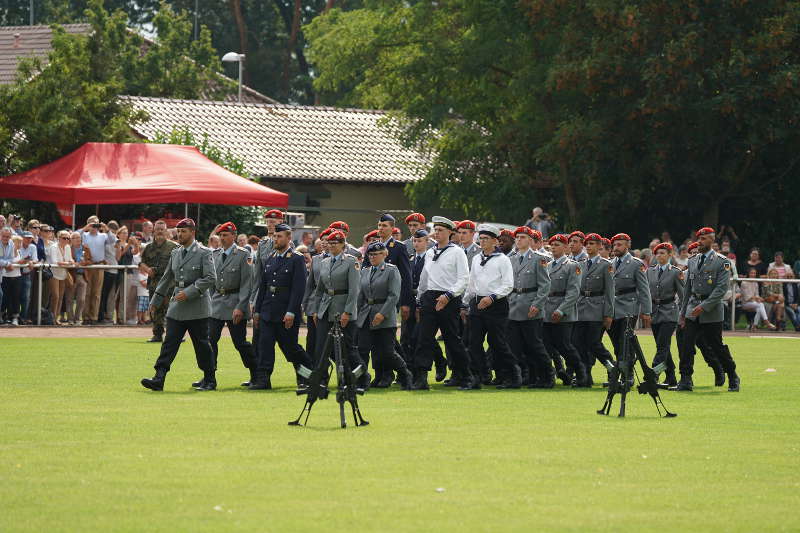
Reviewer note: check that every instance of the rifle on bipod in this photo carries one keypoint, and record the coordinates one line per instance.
(318, 379)
(621, 374)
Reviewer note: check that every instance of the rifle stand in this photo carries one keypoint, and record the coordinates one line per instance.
(621, 375)
(346, 379)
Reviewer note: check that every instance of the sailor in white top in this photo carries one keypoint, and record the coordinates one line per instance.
(443, 280)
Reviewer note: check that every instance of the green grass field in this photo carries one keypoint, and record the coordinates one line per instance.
(86, 448)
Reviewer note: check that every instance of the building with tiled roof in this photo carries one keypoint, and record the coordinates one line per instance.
(334, 163)
(18, 42)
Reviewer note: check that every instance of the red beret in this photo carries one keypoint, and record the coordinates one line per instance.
(372, 234)
(415, 217)
(466, 224)
(228, 226)
(693, 245)
(523, 229)
(185, 223)
(606, 242)
(663, 246)
(395, 230)
(704, 231)
(593, 237)
(340, 225)
(274, 213)
(560, 237)
(324, 233)
(577, 233)
(621, 237)
(336, 236)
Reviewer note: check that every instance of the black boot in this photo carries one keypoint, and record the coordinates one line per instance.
(420, 381)
(406, 379)
(252, 378)
(155, 338)
(454, 381)
(733, 382)
(685, 384)
(514, 379)
(261, 382)
(581, 379)
(380, 375)
(719, 375)
(471, 383)
(564, 377)
(363, 383)
(157, 381)
(196, 384)
(441, 370)
(209, 382)
(669, 379)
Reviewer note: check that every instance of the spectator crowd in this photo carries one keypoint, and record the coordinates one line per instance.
(72, 294)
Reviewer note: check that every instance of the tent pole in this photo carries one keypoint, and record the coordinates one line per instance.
(198, 215)
(39, 299)
(186, 210)
(124, 296)
(73, 217)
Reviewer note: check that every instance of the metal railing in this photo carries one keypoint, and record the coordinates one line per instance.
(125, 268)
(756, 280)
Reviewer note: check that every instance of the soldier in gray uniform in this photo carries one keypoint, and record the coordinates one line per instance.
(415, 222)
(337, 298)
(191, 269)
(577, 252)
(230, 298)
(560, 311)
(666, 289)
(595, 305)
(309, 301)
(378, 297)
(466, 237)
(526, 305)
(702, 311)
(631, 290)
(349, 249)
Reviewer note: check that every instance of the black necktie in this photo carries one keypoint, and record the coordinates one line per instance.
(702, 260)
(619, 262)
(183, 253)
(372, 274)
(660, 271)
(224, 256)
(521, 257)
(333, 262)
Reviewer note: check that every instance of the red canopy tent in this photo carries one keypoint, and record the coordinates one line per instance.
(136, 173)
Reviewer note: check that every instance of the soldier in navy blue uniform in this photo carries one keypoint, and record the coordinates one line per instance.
(279, 288)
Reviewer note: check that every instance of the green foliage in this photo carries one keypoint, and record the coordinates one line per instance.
(641, 117)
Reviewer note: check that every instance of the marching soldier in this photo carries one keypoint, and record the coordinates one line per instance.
(155, 258)
(490, 282)
(595, 304)
(631, 290)
(526, 305)
(309, 301)
(272, 218)
(444, 279)
(230, 298)
(505, 242)
(276, 298)
(465, 231)
(702, 310)
(560, 311)
(191, 271)
(414, 222)
(576, 250)
(605, 250)
(378, 298)
(397, 255)
(344, 227)
(666, 288)
(337, 299)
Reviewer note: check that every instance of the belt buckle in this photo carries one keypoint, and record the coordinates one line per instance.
(272, 289)
(331, 292)
(587, 293)
(370, 301)
(181, 284)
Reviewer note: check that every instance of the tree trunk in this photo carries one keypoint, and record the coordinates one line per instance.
(241, 26)
(328, 6)
(290, 45)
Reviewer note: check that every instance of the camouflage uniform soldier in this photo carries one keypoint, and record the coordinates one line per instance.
(155, 258)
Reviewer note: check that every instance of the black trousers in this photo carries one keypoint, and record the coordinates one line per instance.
(198, 332)
(490, 323)
(447, 320)
(109, 282)
(275, 332)
(410, 330)
(350, 348)
(712, 335)
(525, 340)
(11, 296)
(381, 342)
(311, 338)
(587, 338)
(662, 333)
(238, 336)
(702, 345)
(559, 337)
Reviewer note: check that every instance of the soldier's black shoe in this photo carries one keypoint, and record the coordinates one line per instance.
(514, 380)
(719, 376)
(733, 382)
(565, 379)
(669, 380)
(262, 383)
(385, 381)
(487, 379)
(581, 378)
(406, 379)
(441, 372)
(156, 382)
(454, 381)
(421, 381)
(685, 385)
(362, 383)
(471, 383)
(196, 384)
(543, 384)
(253, 378)
(207, 384)
(156, 338)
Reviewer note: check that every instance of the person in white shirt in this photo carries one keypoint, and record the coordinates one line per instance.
(96, 244)
(491, 280)
(58, 252)
(443, 280)
(10, 273)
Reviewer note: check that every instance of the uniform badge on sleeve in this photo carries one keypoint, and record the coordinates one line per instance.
(727, 266)
(577, 271)
(610, 269)
(643, 268)
(543, 262)
(681, 276)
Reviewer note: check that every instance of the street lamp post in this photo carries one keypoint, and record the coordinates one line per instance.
(233, 57)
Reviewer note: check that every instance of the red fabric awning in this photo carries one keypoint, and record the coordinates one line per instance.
(137, 173)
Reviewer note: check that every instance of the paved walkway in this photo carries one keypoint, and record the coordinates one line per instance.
(108, 332)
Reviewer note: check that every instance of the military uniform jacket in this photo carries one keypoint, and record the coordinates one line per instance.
(581, 257)
(337, 289)
(531, 285)
(706, 287)
(156, 256)
(379, 292)
(565, 282)
(631, 288)
(193, 274)
(417, 265)
(472, 250)
(283, 283)
(666, 291)
(263, 252)
(398, 256)
(233, 286)
(309, 300)
(596, 299)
